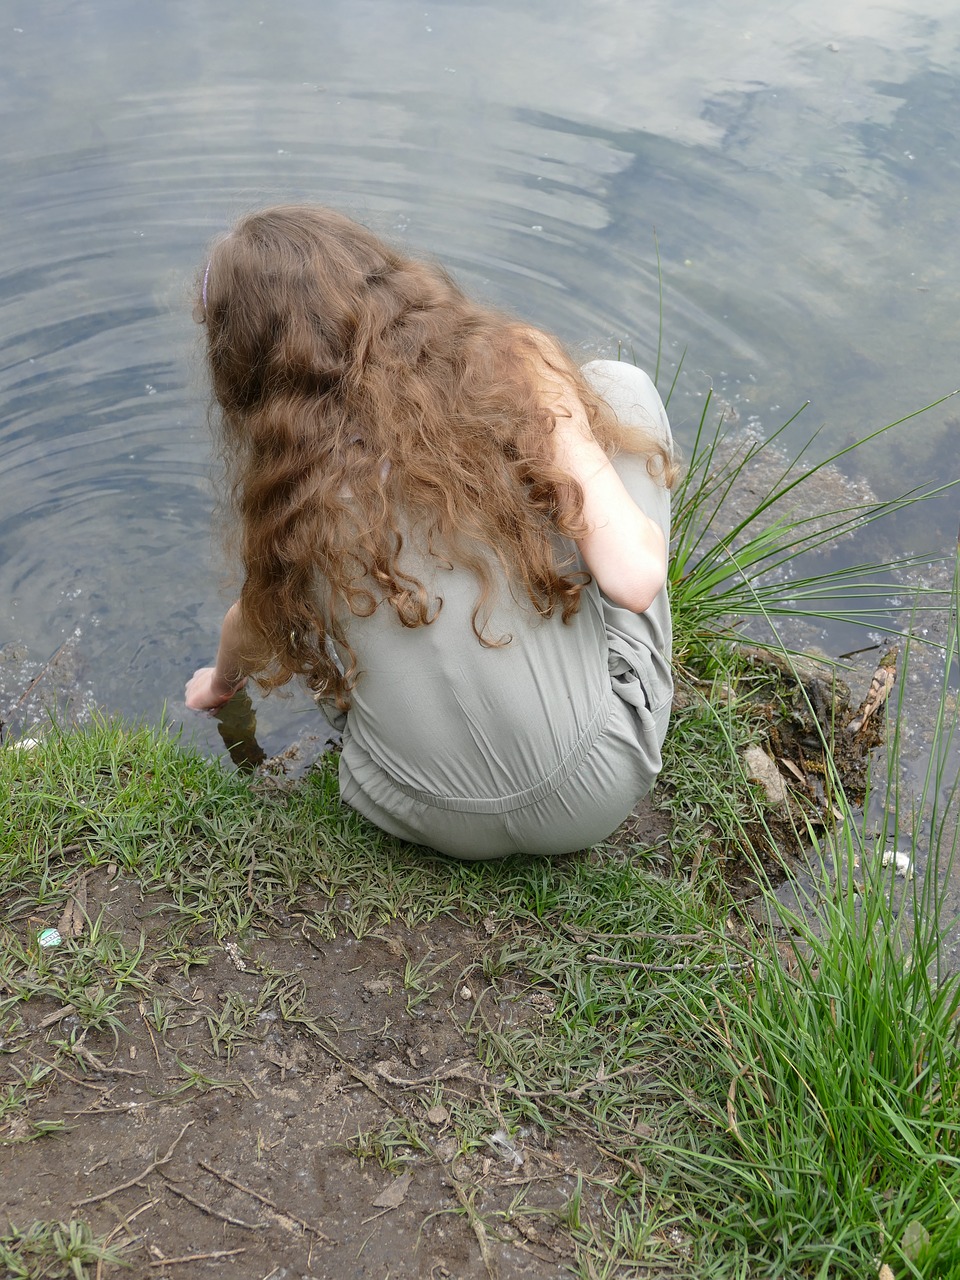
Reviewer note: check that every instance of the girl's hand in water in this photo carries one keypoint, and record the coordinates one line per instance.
(212, 687)
(206, 691)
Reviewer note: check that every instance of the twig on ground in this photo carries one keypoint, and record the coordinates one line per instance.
(128, 1108)
(196, 1257)
(206, 1208)
(98, 1064)
(453, 1072)
(479, 1230)
(152, 1167)
(362, 1077)
(633, 1069)
(51, 1018)
(143, 1015)
(283, 1213)
(448, 1073)
(55, 1066)
(123, 1225)
(96, 1110)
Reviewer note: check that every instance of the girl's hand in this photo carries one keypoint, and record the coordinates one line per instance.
(206, 691)
(211, 687)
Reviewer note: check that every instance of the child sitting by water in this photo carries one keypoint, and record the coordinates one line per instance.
(456, 536)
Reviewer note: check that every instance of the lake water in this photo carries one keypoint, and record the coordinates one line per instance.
(797, 166)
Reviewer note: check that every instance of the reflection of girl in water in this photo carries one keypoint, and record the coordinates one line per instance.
(453, 533)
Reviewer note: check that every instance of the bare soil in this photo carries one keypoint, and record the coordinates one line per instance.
(247, 1120)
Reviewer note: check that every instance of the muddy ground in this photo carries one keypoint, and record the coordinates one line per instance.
(249, 1118)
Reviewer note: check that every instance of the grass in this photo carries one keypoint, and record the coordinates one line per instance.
(835, 1101)
(52, 1251)
(752, 1110)
(723, 575)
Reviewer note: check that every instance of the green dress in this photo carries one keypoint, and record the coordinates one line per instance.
(542, 745)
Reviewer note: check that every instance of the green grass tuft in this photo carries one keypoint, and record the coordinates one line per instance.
(723, 575)
(53, 1251)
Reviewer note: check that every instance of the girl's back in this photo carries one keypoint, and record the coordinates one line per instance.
(435, 535)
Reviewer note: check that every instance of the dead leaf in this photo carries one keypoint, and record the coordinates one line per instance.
(792, 768)
(395, 1194)
(74, 918)
(916, 1240)
(18, 1129)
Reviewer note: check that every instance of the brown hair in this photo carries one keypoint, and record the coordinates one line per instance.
(363, 399)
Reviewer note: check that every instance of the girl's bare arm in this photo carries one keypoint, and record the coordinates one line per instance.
(623, 548)
(210, 687)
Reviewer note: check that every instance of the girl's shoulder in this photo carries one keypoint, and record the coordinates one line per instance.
(557, 379)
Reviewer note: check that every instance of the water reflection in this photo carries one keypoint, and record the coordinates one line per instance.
(237, 726)
(798, 170)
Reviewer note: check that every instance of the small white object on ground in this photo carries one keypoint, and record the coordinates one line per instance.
(901, 862)
(504, 1146)
(760, 768)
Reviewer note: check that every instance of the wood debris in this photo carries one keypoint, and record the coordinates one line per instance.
(884, 678)
(71, 924)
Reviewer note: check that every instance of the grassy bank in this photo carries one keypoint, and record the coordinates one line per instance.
(646, 1082)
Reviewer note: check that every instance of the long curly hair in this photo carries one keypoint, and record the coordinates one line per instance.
(366, 407)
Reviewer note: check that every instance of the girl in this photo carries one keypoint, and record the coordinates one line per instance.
(454, 534)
